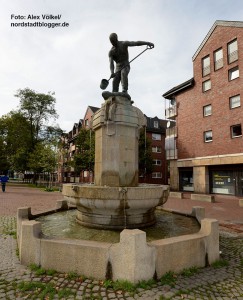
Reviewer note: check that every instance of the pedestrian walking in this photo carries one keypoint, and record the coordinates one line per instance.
(4, 179)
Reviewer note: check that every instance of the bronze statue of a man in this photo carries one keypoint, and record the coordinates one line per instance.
(119, 55)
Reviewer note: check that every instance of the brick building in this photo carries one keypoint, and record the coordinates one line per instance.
(155, 133)
(68, 149)
(207, 139)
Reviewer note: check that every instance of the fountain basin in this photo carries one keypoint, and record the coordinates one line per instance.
(133, 258)
(116, 207)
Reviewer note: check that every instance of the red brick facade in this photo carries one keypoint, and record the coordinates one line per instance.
(190, 119)
(223, 151)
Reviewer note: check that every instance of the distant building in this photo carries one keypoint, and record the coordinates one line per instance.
(204, 145)
(155, 132)
(66, 173)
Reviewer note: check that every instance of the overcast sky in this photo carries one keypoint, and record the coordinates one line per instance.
(72, 60)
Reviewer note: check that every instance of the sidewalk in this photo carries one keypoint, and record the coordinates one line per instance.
(208, 283)
(19, 195)
(226, 210)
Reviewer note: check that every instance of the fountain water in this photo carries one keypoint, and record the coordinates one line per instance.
(116, 200)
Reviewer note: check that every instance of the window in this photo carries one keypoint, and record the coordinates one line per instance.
(232, 51)
(206, 65)
(157, 162)
(156, 175)
(218, 59)
(156, 124)
(207, 110)
(156, 149)
(236, 131)
(208, 136)
(86, 122)
(234, 73)
(156, 136)
(206, 85)
(234, 101)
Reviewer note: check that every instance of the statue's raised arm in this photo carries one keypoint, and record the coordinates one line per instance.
(119, 61)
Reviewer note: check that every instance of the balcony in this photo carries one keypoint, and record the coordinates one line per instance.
(171, 154)
(171, 112)
(172, 131)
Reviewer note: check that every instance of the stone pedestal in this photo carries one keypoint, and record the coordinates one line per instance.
(116, 127)
(116, 201)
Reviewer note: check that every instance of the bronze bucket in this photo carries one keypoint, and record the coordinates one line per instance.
(104, 84)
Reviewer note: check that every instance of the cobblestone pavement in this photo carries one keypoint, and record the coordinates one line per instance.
(221, 281)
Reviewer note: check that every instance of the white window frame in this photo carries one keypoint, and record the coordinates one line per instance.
(208, 140)
(205, 113)
(206, 65)
(218, 59)
(206, 85)
(234, 73)
(234, 101)
(156, 136)
(156, 175)
(232, 51)
(157, 162)
(156, 149)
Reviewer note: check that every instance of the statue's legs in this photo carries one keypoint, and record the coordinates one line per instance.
(116, 82)
(121, 76)
(124, 79)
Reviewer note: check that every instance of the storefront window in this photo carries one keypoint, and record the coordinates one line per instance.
(186, 181)
(223, 182)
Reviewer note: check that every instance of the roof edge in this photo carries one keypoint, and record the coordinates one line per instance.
(216, 23)
(183, 86)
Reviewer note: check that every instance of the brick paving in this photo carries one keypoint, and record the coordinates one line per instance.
(20, 282)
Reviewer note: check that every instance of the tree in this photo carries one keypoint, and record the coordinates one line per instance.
(42, 159)
(85, 156)
(27, 129)
(37, 108)
(145, 159)
(15, 140)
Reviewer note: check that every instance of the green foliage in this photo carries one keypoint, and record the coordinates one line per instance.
(72, 276)
(220, 263)
(145, 154)
(51, 272)
(189, 272)
(42, 158)
(146, 284)
(85, 156)
(37, 108)
(65, 293)
(168, 279)
(40, 271)
(27, 142)
(108, 284)
(14, 141)
(127, 286)
(124, 285)
(44, 290)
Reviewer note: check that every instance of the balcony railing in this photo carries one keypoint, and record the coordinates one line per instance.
(171, 132)
(171, 154)
(171, 112)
